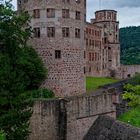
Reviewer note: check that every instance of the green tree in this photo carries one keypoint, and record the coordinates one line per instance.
(21, 72)
(130, 45)
(132, 94)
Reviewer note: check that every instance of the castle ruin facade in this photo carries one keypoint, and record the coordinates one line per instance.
(103, 47)
(72, 48)
(59, 39)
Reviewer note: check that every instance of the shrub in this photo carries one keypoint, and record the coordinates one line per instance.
(135, 80)
(42, 93)
(132, 95)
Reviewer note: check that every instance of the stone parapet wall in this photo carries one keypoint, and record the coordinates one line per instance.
(127, 71)
(69, 118)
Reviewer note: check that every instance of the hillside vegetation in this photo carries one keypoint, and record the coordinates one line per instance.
(132, 95)
(131, 117)
(130, 45)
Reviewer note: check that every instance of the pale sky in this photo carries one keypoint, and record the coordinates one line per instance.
(128, 10)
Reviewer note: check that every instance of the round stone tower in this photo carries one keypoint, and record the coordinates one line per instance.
(59, 39)
(107, 19)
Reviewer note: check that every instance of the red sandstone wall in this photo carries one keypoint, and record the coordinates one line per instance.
(109, 50)
(93, 50)
(107, 20)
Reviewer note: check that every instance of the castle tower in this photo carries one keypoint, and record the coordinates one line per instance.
(59, 39)
(107, 19)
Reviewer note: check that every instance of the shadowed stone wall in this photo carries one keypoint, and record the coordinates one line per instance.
(106, 128)
(69, 118)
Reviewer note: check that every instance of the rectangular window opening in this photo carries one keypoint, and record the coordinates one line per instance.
(36, 32)
(57, 54)
(36, 13)
(78, 15)
(77, 33)
(65, 13)
(51, 31)
(65, 32)
(50, 12)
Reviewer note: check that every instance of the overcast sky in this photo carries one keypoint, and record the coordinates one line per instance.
(128, 10)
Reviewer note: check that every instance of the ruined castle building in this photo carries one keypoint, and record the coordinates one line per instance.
(93, 50)
(102, 44)
(59, 39)
(107, 19)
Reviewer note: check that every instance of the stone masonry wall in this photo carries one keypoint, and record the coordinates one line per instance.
(107, 19)
(93, 50)
(127, 71)
(66, 73)
(69, 118)
(109, 51)
(48, 121)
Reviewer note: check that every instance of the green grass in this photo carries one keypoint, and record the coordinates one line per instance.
(93, 83)
(131, 117)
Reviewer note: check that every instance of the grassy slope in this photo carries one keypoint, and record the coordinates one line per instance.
(93, 83)
(132, 117)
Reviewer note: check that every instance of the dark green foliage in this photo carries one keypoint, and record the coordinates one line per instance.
(26, 72)
(130, 45)
(42, 93)
(135, 80)
(2, 135)
(21, 73)
(132, 95)
(132, 91)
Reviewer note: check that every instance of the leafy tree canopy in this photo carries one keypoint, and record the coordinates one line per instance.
(21, 73)
(130, 45)
(132, 94)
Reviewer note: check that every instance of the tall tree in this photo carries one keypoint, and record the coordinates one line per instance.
(21, 71)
